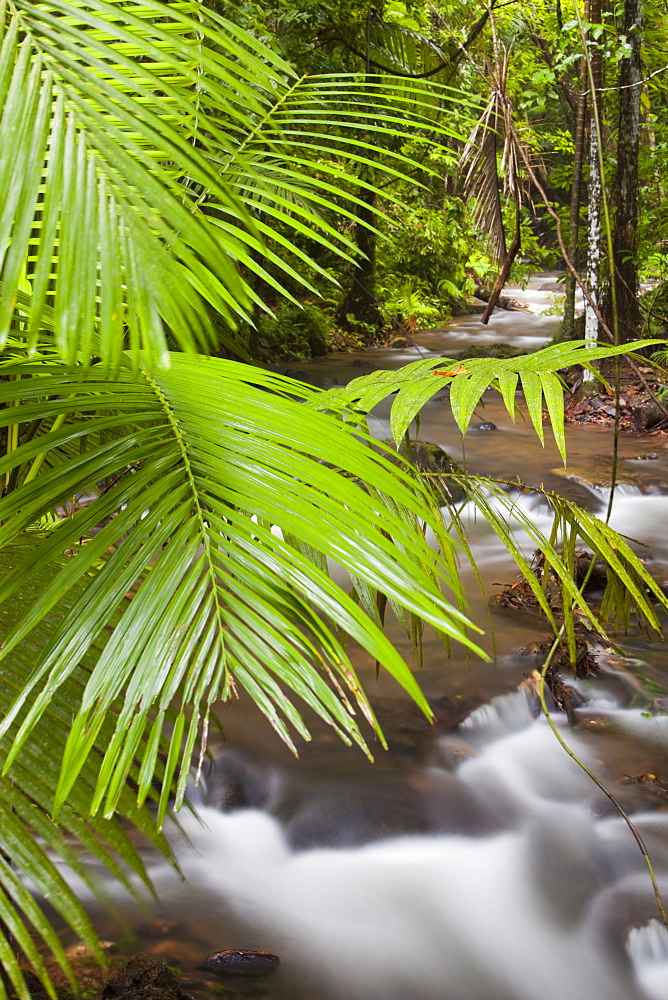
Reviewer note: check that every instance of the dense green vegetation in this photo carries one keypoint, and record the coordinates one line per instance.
(460, 213)
(188, 189)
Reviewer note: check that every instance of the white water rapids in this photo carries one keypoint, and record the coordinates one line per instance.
(557, 905)
(471, 863)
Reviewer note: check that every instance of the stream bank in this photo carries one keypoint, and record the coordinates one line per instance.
(473, 860)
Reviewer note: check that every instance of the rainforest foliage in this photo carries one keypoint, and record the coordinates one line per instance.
(532, 190)
(187, 190)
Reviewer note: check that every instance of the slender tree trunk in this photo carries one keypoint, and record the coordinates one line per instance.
(626, 177)
(595, 190)
(359, 311)
(502, 276)
(568, 326)
(360, 305)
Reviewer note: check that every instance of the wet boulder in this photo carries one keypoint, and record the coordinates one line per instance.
(633, 473)
(238, 962)
(552, 286)
(437, 466)
(353, 813)
(490, 351)
(234, 780)
(474, 305)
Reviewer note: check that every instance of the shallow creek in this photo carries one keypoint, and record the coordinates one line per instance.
(472, 861)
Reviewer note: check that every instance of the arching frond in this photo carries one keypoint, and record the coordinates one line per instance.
(33, 848)
(532, 374)
(629, 586)
(225, 498)
(149, 153)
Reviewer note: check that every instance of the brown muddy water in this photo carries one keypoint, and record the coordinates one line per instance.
(473, 860)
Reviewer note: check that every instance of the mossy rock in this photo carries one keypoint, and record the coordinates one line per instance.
(502, 351)
(438, 467)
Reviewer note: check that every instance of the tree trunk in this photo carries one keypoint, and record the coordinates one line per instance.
(502, 276)
(359, 311)
(360, 305)
(595, 190)
(568, 326)
(626, 177)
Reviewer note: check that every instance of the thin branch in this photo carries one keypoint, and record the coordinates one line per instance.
(446, 63)
(637, 83)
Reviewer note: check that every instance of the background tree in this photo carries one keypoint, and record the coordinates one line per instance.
(168, 517)
(625, 195)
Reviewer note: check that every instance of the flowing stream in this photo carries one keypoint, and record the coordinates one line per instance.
(474, 860)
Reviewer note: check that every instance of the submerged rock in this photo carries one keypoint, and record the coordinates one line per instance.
(353, 813)
(490, 351)
(432, 460)
(234, 780)
(236, 962)
(486, 425)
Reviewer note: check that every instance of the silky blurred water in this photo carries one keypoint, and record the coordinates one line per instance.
(473, 861)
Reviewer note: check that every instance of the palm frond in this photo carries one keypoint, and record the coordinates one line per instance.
(629, 586)
(215, 468)
(33, 847)
(533, 374)
(480, 184)
(148, 140)
(484, 179)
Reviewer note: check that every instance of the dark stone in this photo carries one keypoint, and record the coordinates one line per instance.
(450, 711)
(486, 425)
(400, 343)
(233, 780)
(647, 416)
(143, 978)
(296, 373)
(491, 351)
(234, 962)
(354, 813)
(552, 286)
(37, 990)
(431, 459)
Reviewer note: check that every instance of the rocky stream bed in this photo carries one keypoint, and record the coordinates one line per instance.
(474, 860)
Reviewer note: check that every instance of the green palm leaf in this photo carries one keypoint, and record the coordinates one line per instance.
(149, 154)
(32, 846)
(216, 467)
(468, 381)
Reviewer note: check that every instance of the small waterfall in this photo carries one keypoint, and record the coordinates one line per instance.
(648, 950)
(533, 909)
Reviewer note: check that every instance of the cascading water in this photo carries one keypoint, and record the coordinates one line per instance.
(474, 861)
(555, 903)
